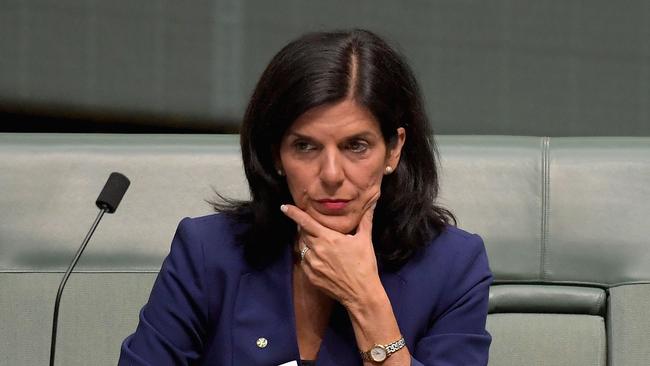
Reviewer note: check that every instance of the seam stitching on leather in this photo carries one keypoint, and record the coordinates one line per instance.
(609, 343)
(545, 200)
(602, 347)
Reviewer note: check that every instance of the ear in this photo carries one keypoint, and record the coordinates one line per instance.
(277, 162)
(395, 151)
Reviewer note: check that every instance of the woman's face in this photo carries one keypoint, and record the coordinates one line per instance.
(334, 158)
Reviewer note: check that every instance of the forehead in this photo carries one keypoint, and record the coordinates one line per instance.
(341, 119)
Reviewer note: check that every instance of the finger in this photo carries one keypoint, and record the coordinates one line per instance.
(306, 223)
(306, 240)
(303, 253)
(316, 279)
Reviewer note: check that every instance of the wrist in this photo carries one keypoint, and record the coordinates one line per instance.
(369, 301)
(375, 326)
(381, 352)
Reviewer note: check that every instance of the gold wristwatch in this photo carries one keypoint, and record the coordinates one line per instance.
(379, 352)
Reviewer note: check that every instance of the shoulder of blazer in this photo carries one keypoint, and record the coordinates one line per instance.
(452, 247)
(215, 236)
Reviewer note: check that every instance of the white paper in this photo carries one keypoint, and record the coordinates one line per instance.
(290, 363)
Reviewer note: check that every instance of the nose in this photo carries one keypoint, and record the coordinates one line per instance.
(331, 170)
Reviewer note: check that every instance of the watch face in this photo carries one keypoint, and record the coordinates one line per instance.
(378, 354)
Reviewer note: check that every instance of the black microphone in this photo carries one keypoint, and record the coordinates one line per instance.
(113, 191)
(108, 200)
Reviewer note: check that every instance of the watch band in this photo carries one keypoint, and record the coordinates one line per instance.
(388, 349)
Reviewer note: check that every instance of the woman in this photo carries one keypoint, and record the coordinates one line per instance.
(341, 256)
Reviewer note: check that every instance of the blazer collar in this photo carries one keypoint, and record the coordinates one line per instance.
(264, 311)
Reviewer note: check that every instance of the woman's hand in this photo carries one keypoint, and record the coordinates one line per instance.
(343, 266)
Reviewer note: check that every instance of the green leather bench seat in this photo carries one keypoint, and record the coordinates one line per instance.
(547, 339)
(565, 222)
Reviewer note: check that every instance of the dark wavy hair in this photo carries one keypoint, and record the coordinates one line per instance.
(325, 68)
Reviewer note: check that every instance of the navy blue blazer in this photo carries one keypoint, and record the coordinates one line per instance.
(209, 307)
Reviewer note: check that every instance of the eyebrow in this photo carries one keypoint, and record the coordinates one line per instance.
(360, 135)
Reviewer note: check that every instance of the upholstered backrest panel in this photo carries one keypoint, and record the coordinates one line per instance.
(560, 210)
(493, 185)
(599, 210)
(50, 183)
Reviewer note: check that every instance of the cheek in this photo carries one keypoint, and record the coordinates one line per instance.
(298, 182)
(297, 190)
(375, 179)
(368, 180)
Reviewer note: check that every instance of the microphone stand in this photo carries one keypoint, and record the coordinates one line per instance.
(108, 200)
(65, 279)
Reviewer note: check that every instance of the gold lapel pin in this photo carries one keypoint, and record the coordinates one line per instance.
(262, 342)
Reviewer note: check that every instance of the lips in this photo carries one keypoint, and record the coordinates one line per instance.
(332, 205)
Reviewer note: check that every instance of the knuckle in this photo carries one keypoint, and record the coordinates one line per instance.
(317, 266)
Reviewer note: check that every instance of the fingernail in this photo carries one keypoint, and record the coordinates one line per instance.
(374, 204)
(284, 208)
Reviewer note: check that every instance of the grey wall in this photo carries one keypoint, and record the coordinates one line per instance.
(556, 68)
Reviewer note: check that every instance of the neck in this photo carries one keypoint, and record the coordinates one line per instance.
(305, 291)
(312, 309)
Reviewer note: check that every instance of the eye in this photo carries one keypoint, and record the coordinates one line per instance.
(357, 146)
(303, 146)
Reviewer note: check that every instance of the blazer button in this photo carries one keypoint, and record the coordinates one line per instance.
(262, 342)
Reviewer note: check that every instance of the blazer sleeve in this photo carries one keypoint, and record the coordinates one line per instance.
(457, 336)
(172, 324)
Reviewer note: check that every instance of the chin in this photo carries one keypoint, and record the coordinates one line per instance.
(343, 224)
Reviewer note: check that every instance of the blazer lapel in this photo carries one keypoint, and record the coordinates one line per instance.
(339, 343)
(264, 331)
